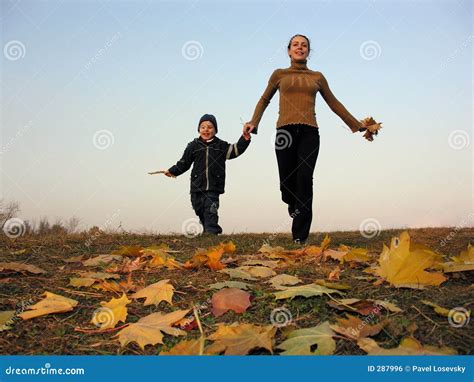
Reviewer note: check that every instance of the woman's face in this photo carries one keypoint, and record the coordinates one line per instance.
(298, 50)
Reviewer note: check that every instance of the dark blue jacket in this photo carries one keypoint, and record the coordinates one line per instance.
(208, 173)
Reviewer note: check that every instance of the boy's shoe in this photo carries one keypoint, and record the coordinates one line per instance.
(299, 242)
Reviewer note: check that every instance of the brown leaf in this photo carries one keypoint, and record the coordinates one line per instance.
(52, 303)
(20, 268)
(408, 346)
(354, 328)
(230, 299)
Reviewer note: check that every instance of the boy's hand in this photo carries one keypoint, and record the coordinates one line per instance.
(248, 127)
(246, 136)
(166, 172)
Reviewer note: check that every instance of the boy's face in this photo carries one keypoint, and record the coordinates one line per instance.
(206, 130)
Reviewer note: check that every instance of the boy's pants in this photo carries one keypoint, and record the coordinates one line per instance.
(205, 205)
(297, 148)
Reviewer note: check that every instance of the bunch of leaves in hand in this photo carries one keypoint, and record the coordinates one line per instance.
(371, 128)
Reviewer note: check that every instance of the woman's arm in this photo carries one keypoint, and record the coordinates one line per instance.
(338, 108)
(265, 99)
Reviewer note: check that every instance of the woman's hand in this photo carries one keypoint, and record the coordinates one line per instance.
(248, 127)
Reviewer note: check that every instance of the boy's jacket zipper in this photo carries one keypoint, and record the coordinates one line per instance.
(207, 168)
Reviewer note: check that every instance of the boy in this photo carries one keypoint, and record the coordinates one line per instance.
(209, 154)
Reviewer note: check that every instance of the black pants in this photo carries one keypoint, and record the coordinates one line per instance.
(205, 205)
(297, 148)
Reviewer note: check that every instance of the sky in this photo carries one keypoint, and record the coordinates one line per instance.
(95, 94)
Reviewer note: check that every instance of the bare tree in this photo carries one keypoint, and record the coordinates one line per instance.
(7, 211)
(72, 224)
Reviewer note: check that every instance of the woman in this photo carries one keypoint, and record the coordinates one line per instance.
(297, 138)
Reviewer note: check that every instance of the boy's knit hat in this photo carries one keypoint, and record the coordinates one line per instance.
(210, 118)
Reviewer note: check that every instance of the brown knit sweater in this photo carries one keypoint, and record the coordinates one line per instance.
(298, 87)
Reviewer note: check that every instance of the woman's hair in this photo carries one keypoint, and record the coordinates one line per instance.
(301, 35)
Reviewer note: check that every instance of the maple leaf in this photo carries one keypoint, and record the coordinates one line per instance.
(155, 293)
(101, 259)
(132, 251)
(461, 263)
(257, 271)
(116, 286)
(6, 317)
(210, 257)
(52, 303)
(187, 347)
(281, 281)
(403, 265)
(236, 273)
(89, 278)
(162, 259)
(111, 312)
(408, 346)
(300, 341)
(372, 127)
(128, 265)
(240, 339)
(354, 328)
(230, 299)
(230, 284)
(149, 329)
(308, 290)
(19, 267)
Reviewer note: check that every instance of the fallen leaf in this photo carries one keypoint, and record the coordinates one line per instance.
(101, 259)
(74, 259)
(300, 341)
(19, 267)
(364, 307)
(6, 319)
(238, 274)
(149, 329)
(258, 271)
(308, 290)
(155, 293)
(230, 299)
(132, 251)
(332, 285)
(210, 257)
(240, 339)
(283, 280)
(403, 265)
(111, 312)
(354, 328)
(335, 274)
(408, 346)
(230, 284)
(52, 303)
(438, 309)
(187, 347)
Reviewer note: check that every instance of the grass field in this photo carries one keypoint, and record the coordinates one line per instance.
(58, 334)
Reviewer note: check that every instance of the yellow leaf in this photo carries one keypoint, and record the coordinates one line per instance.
(257, 271)
(308, 290)
(299, 342)
(187, 347)
(6, 319)
(111, 312)
(101, 259)
(52, 303)
(236, 273)
(210, 257)
(229, 284)
(149, 329)
(438, 309)
(408, 346)
(403, 265)
(328, 284)
(155, 293)
(465, 256)
(280, 281)
(240, 339)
